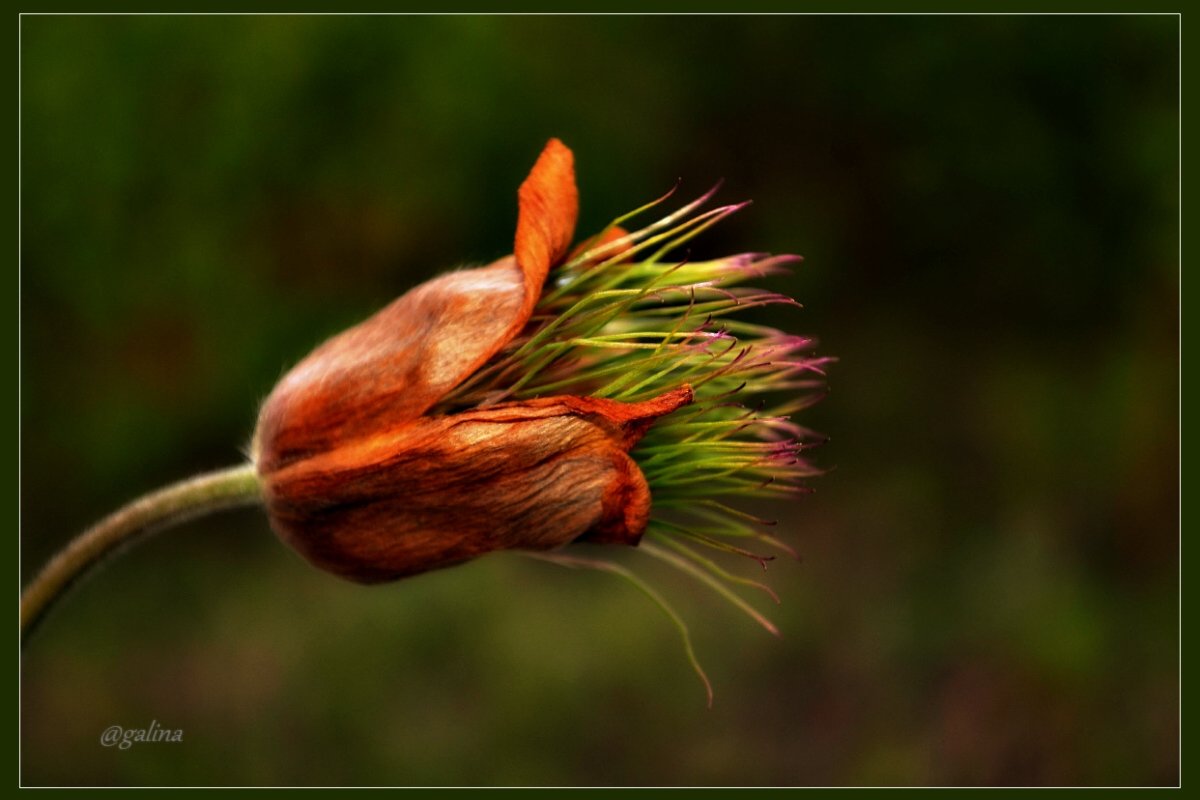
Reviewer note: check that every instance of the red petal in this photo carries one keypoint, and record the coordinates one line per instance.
(441, 490)
(394, 366)
(549, 206)
(625, 422)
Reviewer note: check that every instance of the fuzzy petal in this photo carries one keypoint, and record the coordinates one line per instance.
(441, 490)
(391, 368)
(549, 207)
(394, 366)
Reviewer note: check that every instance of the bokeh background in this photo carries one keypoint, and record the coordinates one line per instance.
(988, 209)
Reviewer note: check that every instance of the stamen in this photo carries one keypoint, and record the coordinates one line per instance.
(619, 322)
(686, 566)
(574, 562)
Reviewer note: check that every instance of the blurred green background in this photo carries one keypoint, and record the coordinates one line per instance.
(988, 209)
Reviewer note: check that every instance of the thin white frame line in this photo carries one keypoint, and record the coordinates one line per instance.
(1179, 341)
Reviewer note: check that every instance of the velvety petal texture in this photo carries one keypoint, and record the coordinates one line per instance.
(442, 490)
(396, 365)
(391, 368)
(548, 204)
(363, 482)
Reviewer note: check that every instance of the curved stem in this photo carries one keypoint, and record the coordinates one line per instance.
(203, 494)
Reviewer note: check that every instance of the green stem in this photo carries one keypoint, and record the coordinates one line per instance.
(203, 494)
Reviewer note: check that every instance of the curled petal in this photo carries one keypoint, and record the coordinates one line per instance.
(549, 205)
(393, 367)
(441, 490)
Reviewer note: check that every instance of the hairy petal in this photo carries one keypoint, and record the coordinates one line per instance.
(549, 206)
(394, 366)
(391, 368)
(441, 490)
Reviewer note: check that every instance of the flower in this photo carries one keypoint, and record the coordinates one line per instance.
(365, 483)
(596, 394)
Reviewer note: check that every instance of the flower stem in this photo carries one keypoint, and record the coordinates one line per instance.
(194, 497)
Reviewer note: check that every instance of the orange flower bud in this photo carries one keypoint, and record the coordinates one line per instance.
(365, 481)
